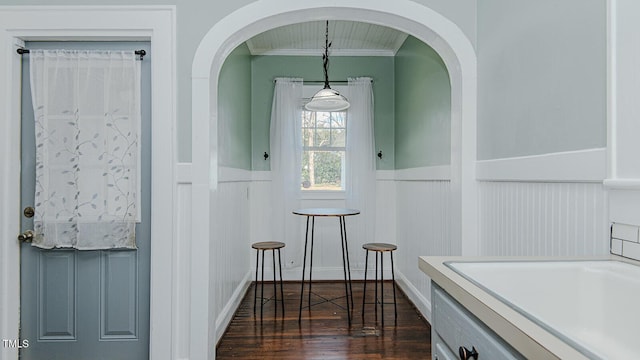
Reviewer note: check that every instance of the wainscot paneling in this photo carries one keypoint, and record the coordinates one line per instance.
(229, 247)
(422, 228)
(542, 218)
(229, 263)
(182, 296)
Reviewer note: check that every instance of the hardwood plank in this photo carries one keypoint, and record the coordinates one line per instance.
(324, 332)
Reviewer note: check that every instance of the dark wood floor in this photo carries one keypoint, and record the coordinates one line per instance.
(324, 332)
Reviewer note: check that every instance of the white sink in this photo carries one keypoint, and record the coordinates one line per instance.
(592, 305)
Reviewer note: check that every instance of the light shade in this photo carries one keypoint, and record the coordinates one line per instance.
(327, 99)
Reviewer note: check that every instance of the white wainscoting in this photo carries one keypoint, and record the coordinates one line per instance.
(230, 267)
(542, 218)
(230, 275)
(422, 228)
(550, 204)
(181, 261)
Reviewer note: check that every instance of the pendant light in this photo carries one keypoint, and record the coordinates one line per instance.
(327, 99)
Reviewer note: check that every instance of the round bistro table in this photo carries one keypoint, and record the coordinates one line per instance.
(340, 213)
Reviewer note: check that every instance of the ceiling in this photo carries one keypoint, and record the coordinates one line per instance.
(348, 38)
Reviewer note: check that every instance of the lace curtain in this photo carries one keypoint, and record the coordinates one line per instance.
(87, 119)
(286, 163)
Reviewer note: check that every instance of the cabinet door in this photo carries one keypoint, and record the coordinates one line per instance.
(457, 327)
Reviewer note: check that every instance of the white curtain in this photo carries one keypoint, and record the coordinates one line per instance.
(361, 164)
(87, 119)
(286, 162)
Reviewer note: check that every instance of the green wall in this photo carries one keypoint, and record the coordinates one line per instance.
(194, 18)
(265, 68)
(234, 110)
(422, 107)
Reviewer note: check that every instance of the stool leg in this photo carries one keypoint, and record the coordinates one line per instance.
(382, 287)
(275, 292)
(364, 291)
(255, 289)
(313, 230)
(281, 291)
(393, 277)
(375, 299)
(262, 288)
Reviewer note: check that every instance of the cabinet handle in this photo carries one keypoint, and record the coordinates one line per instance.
(466, 354)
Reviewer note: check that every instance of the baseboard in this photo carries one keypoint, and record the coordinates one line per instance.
(422, 303)
(226, 314)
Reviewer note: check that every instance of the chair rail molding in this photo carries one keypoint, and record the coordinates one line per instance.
(153, 23)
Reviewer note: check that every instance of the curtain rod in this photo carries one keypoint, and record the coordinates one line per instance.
(321, 82)
(142, 53)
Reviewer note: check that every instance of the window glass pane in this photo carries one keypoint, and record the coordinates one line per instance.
(322, 170)
(322, 138)
(323, 119)
(308, 119)
(338, 137)
(337, 120)
(307, 137)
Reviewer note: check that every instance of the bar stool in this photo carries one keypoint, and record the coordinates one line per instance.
(379, 248)
(265, 246)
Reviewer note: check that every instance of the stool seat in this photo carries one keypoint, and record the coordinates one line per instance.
(272, 246)
(268, 245)
(379, 247)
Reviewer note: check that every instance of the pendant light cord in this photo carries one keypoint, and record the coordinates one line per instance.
(325, 57)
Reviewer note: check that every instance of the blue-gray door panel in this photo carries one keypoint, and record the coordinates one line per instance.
(85, 304)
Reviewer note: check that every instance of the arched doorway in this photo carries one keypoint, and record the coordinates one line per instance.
(407, 16)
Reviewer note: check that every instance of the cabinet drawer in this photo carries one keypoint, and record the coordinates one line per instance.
(456, 326)
(440, 350)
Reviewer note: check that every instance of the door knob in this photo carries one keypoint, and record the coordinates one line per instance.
(26, 236)
(28, 212)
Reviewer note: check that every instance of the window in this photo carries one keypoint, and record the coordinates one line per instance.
(323, 150)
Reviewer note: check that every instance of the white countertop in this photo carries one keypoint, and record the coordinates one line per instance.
(525, 334)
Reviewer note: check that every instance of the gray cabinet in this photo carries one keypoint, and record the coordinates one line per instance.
(454, 327)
